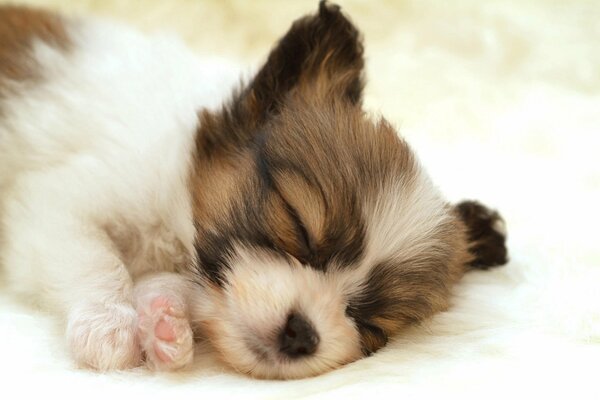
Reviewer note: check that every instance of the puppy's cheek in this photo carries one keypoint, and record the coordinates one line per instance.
(230, 346)
(217, 324)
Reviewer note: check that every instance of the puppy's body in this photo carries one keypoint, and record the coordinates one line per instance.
(97, 129)
(102, 132)
(140, 201)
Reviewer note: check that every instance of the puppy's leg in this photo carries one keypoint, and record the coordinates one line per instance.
(486, 235)
(164, 326)
(69, 266)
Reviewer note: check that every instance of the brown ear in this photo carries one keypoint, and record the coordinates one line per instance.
(486, 235)
(321, 56)
(321, 53)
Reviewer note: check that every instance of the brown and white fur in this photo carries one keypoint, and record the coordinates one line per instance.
(144, 203)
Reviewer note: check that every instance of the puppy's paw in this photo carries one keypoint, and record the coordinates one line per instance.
(103, 336)
(165, 334)
(486, 234)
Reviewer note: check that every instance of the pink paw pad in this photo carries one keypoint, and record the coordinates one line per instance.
(165, 333)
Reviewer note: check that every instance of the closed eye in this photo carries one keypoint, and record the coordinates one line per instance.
(306, 246)
(306, 242)
(373, 337)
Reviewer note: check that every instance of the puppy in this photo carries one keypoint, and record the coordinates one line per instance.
(145, 201)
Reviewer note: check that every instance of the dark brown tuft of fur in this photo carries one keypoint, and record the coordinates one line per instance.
(321, 52)
(486, 243)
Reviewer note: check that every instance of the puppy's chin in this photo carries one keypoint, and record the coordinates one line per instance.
(250, 313)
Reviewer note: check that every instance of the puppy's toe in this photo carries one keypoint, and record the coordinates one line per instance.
(486, 234)
(165, 334)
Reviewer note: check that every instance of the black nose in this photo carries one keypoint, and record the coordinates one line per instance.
(298, 338)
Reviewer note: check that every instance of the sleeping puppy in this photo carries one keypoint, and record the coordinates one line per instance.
(146, 204)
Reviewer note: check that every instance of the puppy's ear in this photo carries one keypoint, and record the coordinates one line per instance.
(486, 233)
(320, 57)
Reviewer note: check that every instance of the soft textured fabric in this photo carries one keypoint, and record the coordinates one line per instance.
(501, 101)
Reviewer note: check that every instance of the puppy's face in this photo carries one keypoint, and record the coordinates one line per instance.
(319, 236)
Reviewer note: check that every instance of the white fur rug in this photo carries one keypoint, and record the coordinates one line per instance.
(502, 102)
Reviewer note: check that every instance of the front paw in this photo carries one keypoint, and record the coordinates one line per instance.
(165, 334)
(103, 337)
(486, 234)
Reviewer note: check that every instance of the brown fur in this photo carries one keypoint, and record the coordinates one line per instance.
(19, 27)
(316, 50)
(321, 56)
(486, 243)
(404, 292)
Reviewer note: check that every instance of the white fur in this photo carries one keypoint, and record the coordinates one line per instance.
(261, 291)
(402, 218)
(94, 155)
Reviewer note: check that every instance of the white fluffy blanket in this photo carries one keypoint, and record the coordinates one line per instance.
(501, 100)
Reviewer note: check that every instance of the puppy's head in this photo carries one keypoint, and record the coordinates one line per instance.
(319, 235)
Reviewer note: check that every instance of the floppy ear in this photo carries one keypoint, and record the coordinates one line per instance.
(320, 57)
